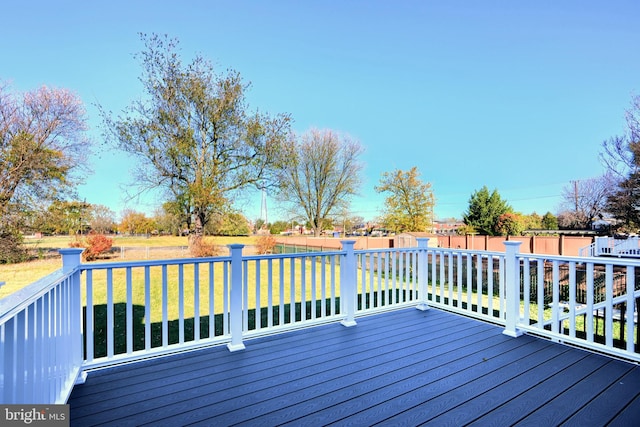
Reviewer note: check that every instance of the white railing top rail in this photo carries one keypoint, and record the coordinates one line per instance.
(587, 251)
(18, 300)
(151, 263)
(583, 260)
(293, 255)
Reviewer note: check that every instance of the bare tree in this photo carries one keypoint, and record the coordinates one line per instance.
(621, 153)
(621, 156)
(193, 136)
(585, 201)
(43, 151)
(319, 173)
(103, 219)
(42, 144)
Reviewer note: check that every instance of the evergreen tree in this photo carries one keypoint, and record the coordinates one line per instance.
(549, 221)
(485, 210)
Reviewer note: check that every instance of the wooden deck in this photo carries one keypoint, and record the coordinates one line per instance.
(404, 368)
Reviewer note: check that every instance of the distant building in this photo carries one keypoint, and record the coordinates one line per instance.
(446, 227)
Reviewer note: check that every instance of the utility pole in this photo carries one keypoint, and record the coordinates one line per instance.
(575, 194)
(263, 207)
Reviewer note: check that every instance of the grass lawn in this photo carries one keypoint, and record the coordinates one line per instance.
(17, 276)
(195, 299)
(56, 242)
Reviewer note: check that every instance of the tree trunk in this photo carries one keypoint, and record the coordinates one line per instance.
(198, 230)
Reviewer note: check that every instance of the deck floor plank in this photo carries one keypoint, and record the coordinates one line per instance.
(231, 380)
(609, 402)
(437, 395)
(541, 393)
(346, 384)
(629, 416)
(308, 371)
(513, 383)
(404, 367)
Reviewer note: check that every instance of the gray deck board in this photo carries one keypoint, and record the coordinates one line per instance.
(405, 367)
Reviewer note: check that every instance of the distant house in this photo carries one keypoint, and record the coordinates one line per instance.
(447, 227)
(604, 224)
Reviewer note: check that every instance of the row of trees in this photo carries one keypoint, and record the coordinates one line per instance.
(196, 141)
(489, 214)
(78, 218)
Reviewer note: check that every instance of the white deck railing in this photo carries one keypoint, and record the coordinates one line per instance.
(610, 246)
(589, 302)
(40, 333)
(91, 315)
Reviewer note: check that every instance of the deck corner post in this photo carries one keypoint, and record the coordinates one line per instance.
(71, 261)
(423, 273)
(70, 258)
(512, 288)
(235, 306)
(348, 277)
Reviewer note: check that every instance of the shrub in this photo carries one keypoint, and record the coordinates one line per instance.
(265, 244)
(201, 249)
(11, 250)
(94, 244)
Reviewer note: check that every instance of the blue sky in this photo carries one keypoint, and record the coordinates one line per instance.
(514, 95)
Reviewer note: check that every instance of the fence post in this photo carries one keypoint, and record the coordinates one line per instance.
(423, 273)
(348, 277)
(71, 260)
(235, 306)
(512, 288)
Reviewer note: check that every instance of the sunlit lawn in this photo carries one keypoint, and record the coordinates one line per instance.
(201, 291)
(155, 241)
(17, 276)
(194, 293)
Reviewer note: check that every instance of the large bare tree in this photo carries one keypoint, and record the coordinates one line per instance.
(584, 201)
(193, 135)
(621, 157)
(320, 172)
(43, 150)
(42, 144)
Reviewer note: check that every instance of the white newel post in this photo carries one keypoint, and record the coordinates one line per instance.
(71, 260)
(512, 288)
(423, 273)
(348, 277)
(235, 306)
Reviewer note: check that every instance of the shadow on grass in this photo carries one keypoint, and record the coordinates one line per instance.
(173, 326)
(580, 332)
(206, 329)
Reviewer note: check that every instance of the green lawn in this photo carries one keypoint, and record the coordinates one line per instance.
(17, 276)
(55, 242)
